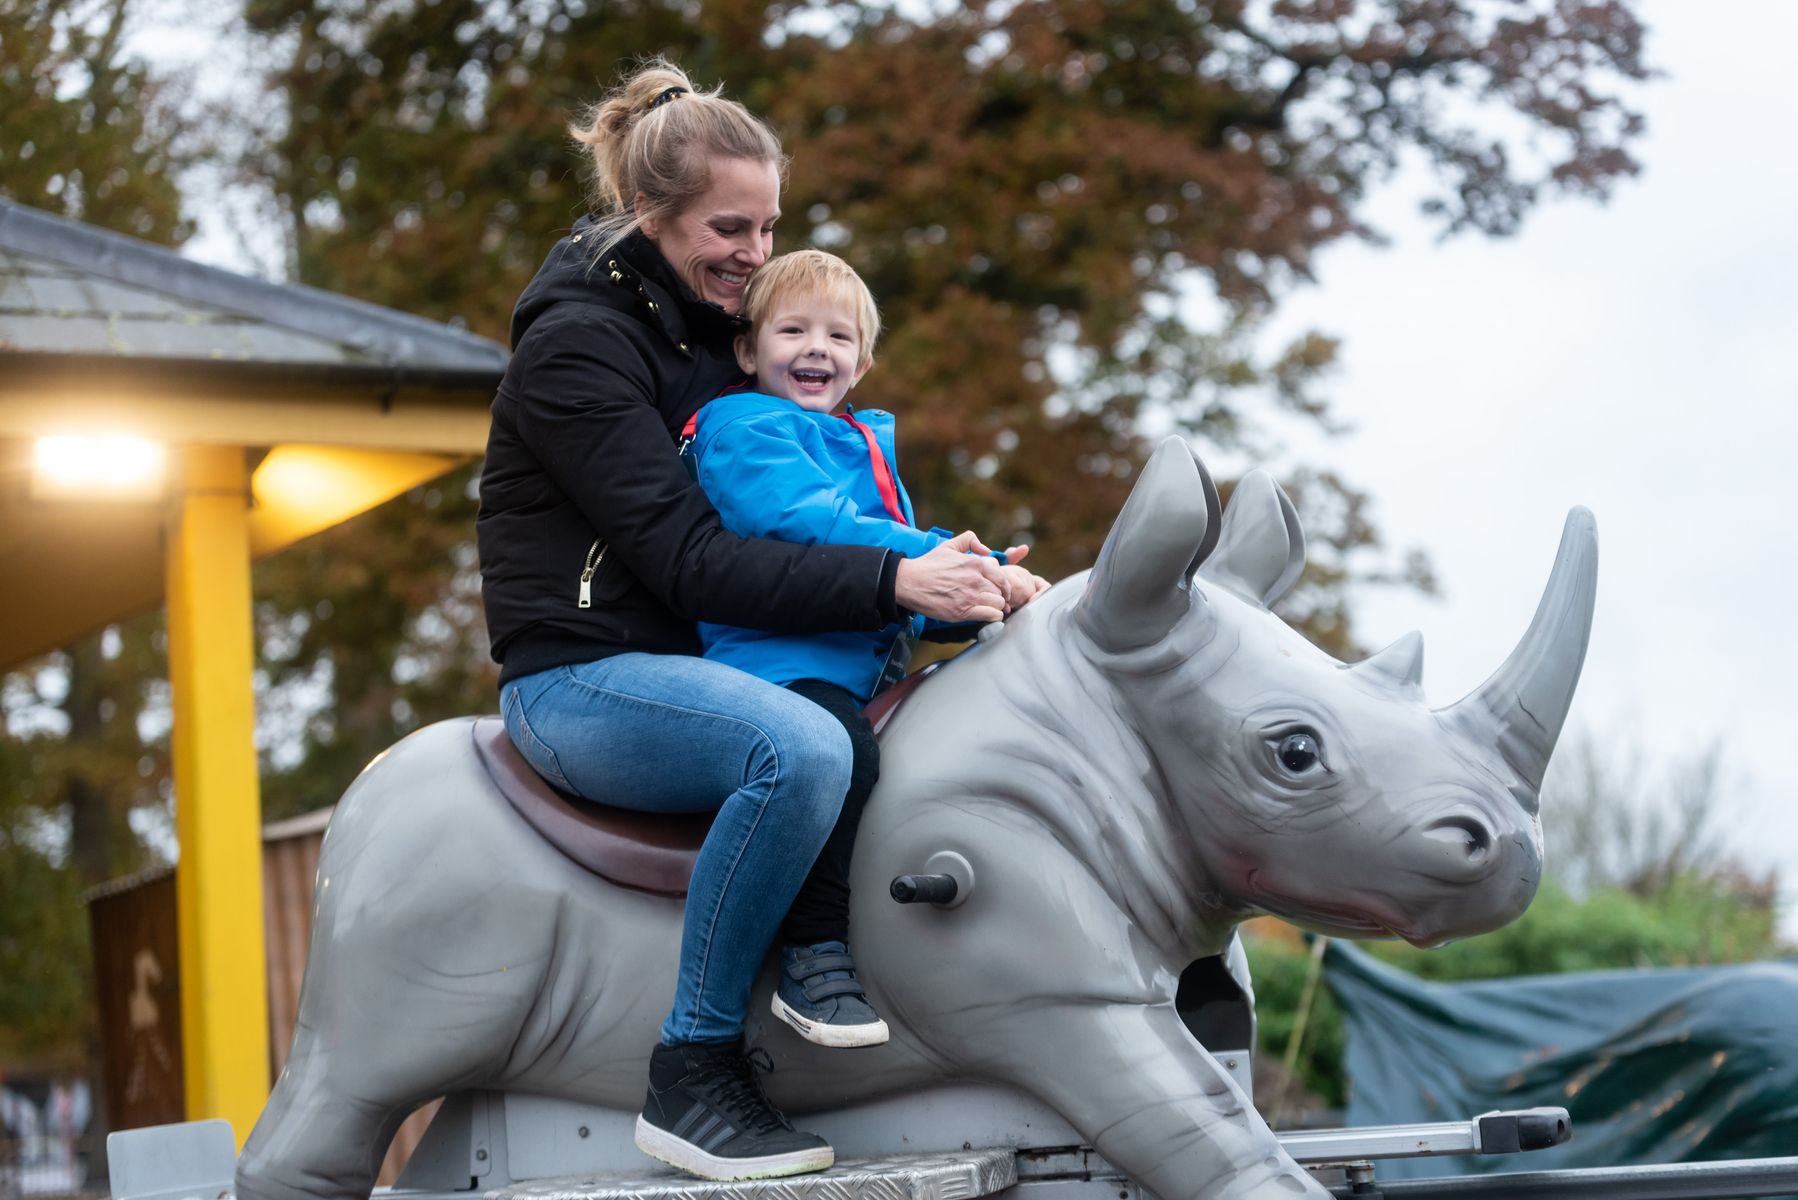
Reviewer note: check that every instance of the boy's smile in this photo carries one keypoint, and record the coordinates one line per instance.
(807, 351)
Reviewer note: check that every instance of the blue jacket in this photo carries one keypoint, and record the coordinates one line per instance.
(776, 470)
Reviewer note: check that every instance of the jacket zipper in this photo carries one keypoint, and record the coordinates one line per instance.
(596, 554)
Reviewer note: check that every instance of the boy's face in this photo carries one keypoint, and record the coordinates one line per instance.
(807, 350)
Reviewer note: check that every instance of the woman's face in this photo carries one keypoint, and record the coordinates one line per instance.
(717, 242)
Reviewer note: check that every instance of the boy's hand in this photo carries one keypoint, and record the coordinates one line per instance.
(1022, 586)
(954, 582)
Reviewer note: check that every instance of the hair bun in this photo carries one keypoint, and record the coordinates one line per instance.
(665, 162)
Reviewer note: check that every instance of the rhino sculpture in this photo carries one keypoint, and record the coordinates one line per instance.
(1129, 767)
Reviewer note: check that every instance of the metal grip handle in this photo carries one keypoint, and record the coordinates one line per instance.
(923, 889)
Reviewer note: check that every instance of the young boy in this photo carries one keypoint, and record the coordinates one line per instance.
(780, 462)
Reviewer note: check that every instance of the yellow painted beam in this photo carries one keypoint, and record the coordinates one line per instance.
(218, 880)
(417, 420)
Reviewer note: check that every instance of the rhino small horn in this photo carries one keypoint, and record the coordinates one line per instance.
(1525, 701)
(1261, 550)
(1142, 584)
(1399, 665)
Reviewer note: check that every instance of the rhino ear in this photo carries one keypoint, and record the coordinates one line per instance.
(1142, 583)
(1399, 665)
(1261, 551)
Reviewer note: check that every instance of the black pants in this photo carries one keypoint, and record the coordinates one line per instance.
(820, 911)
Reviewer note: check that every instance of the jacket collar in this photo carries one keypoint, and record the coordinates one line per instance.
(664, 299)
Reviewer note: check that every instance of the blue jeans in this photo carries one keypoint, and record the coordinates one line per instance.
(676, 734)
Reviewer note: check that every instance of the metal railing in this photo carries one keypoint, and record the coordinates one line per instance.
(49, 1166)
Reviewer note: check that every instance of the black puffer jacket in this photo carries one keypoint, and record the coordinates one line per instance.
(582, 481)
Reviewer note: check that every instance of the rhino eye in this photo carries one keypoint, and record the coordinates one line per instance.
(1297, 752)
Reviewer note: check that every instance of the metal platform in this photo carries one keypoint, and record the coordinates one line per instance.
(1736, 1179)
(195, 1162)
(963, 1175)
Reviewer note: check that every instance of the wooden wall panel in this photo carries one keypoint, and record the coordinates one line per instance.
(137, 983)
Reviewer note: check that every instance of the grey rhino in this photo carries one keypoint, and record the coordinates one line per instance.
(1131, 766)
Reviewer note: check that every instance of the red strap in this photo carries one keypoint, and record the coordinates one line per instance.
(692, 425)
(883, 475)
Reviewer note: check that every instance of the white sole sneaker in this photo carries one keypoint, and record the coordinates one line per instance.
(663, 1146)
(839, 1037)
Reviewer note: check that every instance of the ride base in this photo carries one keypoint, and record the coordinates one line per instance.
(959, 1143)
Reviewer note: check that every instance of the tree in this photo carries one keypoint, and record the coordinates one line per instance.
(85, 796)
(367, 632)
(91, 132)
(1035, 191)
(1613, 824)
(1014, 180)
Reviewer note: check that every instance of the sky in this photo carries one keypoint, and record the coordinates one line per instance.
(1637, 358)
(1640, 359)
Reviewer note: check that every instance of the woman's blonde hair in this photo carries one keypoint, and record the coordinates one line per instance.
(657, 136)
(814, 275)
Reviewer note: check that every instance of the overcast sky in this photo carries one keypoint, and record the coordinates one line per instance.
(1637, 358)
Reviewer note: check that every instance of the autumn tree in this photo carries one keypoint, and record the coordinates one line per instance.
(366, 632)
(1076, 214)
(91, 132)
(84, 797)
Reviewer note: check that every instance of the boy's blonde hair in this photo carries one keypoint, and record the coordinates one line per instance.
(814, 274)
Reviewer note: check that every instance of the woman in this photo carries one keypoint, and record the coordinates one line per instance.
(599, 554)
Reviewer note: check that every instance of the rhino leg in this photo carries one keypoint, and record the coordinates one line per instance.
(313, 1142)
(1154, 1103)
(436, 925)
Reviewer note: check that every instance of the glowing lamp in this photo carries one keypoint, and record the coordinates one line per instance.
(76, 467)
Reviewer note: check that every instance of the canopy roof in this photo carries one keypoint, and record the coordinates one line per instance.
(70, 288)
(342, 403)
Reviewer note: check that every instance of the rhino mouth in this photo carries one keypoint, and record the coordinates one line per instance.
(1344, 921)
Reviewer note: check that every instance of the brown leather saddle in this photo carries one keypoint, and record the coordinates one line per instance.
(650, 852)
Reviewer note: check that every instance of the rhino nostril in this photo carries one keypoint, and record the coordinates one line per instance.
(1465, 832)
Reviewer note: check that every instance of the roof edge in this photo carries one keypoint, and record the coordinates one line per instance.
(393, 337)
(386, 378)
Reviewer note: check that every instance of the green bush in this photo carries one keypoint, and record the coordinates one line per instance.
(1279, 967)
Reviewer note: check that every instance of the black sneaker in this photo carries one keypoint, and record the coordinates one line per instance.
(706, 1114)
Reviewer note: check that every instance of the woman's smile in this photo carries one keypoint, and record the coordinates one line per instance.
(716, 243)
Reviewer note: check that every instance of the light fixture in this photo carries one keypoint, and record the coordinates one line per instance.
(113, 467)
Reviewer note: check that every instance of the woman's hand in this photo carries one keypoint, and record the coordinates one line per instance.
(957, 581)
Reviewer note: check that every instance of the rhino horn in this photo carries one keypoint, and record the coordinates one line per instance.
(1526, 700)
(1399, 665)
(1142, 584)
(1261, 550)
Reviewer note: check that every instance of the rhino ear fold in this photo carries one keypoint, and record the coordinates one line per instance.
(1261, 550)
(1142, 583)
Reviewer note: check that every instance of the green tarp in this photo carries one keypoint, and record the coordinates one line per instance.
(1654, 1066)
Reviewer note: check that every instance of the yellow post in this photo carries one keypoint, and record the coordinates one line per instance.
(218, 881)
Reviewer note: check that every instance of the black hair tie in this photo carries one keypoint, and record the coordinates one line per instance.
(665, 97)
